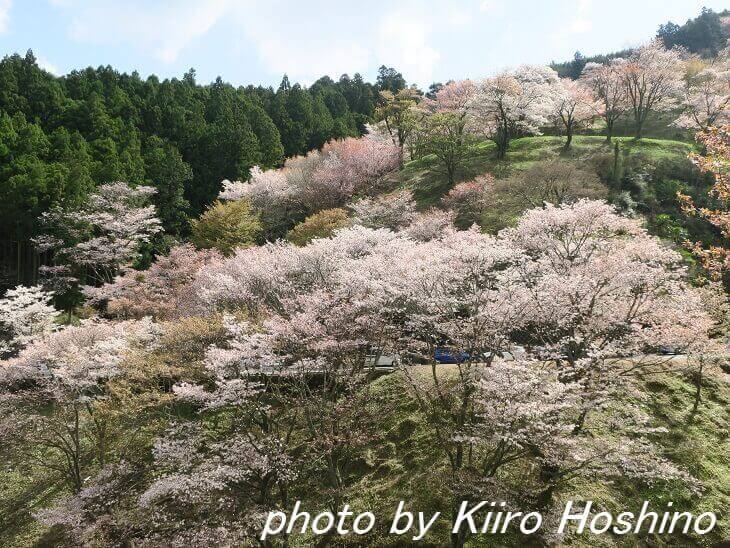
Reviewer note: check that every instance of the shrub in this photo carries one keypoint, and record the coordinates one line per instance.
(319, 225)
(226, 226)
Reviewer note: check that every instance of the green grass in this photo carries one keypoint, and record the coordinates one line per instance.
(429, 185)
(405, 463)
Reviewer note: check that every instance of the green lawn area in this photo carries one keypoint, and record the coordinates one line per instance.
(404, 462)
(429, 186)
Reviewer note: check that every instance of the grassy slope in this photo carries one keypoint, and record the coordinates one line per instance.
(429, 185)
(404, 463)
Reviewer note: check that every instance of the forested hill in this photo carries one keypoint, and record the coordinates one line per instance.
(60, 136)
(705, 35)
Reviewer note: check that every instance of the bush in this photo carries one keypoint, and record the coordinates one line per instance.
(226, 226)
(319, 225)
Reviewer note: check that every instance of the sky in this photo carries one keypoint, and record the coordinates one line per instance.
(256, 42)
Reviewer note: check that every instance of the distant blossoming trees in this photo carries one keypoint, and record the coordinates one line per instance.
(514, 102)
(652, 80)
(706, 94)
(25, 315)
(101, 239)
(320, 180)
(608, 86)
(576, 106)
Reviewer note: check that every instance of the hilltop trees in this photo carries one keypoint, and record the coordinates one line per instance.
(705, 94)
(607, 84)
(169, 175)
(704, 34)
(513, 103)
(575, 106)
(443, 131)
(652, 80)
(62, 136)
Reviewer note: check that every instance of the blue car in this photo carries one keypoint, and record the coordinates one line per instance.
(443, 354)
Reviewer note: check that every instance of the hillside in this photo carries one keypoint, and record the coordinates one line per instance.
(243, 317)
(429, 186)
(404, 461)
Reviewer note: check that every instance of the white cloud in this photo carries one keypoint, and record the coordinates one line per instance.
(4, 14)
(579, 22)
(579, 25)
(282, 36)
(307, 61)
(487, 5)
(46, 65)
(162, 30)
(403, 42)
(458, 16)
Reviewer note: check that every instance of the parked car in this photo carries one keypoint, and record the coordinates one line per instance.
(444, 354)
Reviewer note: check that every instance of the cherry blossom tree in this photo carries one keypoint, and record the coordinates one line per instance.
(104, 237)
(348, 167)
(268, 191)
(392, 211)
(514, 102)
(611, 297)
(25, 315)
(607, 84)
(430, 225)
(362, 161)
(320, 180)
(575, 107)
(67, 369)
(162, 291)
(716, 259)
(469, 200)
(652, 78)
(443, 128)
(213, 492)
(264, 188)
(706, 94)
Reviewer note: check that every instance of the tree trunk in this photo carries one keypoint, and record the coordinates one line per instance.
(615, 174)
(450, 172)
(458, 539)
(609, 131)
(502, 148)
(698, 393)
(568, 140)
(639, 127)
